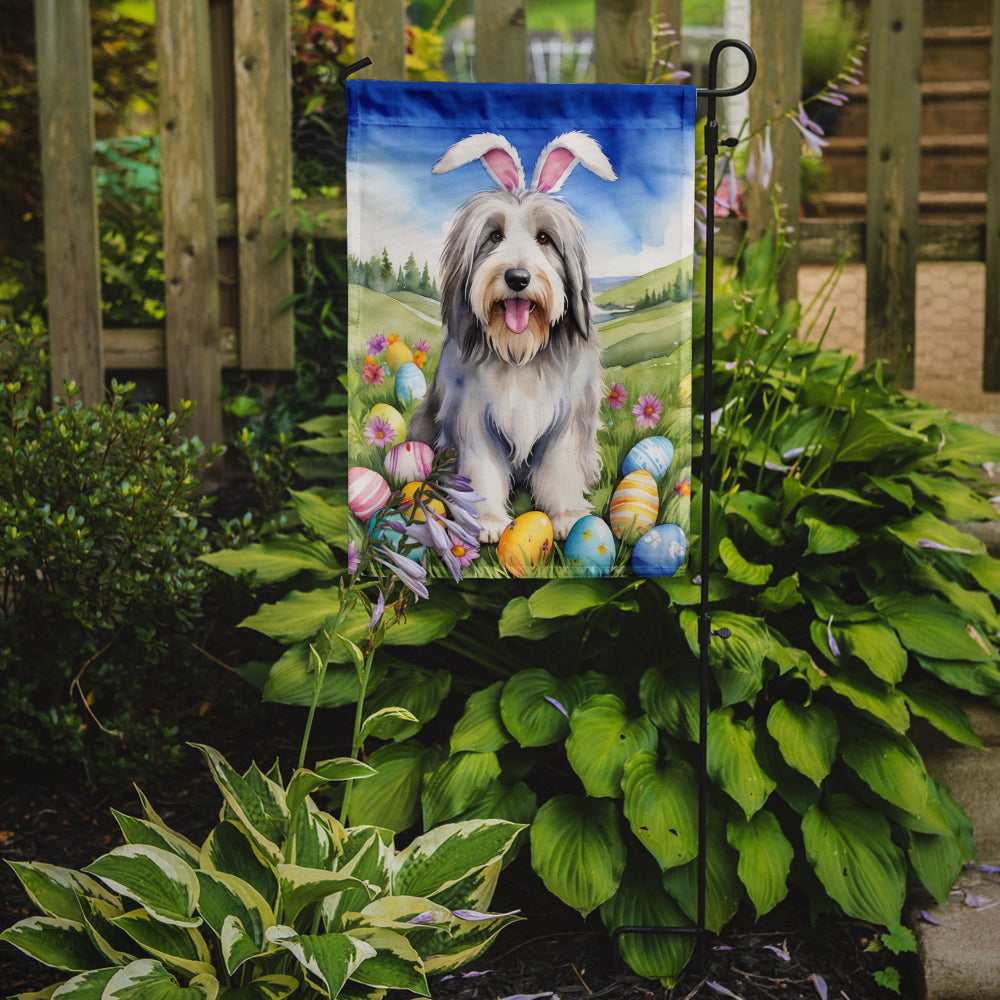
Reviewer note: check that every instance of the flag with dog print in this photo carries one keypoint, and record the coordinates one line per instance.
(521, 263)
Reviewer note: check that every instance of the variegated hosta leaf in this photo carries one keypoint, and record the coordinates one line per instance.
(602, 737)
(468, 939)
(177, 947)
(475, 891)
(225, 897)
(807, 736)
(481, 727)
(147, 979)
(116, 947)
(850, 847)
(765, 858)
(158, 880)
(329, 959)
(315, 838)
(578, 851)
(642, 902)
(230, 849)
(732, 760)
(456, 784)
(54, 941)
(86, 986)
(56, 891)
(535, 706)
(301, 887)
(141, 831)
(274, 987)
(395, 964)
(441, 857)
(367, 853)
(304, 782)
(661, 805)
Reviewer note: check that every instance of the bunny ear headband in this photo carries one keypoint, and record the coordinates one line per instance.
(555, 163)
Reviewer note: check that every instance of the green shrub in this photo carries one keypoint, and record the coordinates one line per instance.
(99, 546)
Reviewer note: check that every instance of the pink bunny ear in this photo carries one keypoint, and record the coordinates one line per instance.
(495, 153)
(556, 162)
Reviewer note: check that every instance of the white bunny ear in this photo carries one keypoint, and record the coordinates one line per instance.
(557, 160)
(497, 155)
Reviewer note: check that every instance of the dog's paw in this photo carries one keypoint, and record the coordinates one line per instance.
(491, 526)
(561, 523)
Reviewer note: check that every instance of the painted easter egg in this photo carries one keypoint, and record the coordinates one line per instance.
(660, 551)
(397, 354)
(411, 460)
(367, 491)
(410, 383)
(634, 506)
(409, 508)
(381, 532)
(525, 542)
(589, 549)
(654, 454)
(393, 418)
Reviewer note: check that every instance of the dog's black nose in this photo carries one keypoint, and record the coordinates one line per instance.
(517, 278)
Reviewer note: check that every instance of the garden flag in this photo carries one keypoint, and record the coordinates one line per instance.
(520, 259)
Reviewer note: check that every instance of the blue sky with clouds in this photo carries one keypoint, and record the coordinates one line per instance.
(641, 221)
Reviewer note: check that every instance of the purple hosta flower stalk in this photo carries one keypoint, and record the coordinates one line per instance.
(377, 612)
(411, 574)
(812, 134)
(760, 166)
(834, 648)
(557, 704)
(819, 983)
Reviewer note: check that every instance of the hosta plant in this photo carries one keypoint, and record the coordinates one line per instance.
(279, 900)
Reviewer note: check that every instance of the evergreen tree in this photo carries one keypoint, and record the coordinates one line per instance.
(425, 287)
(386, 274)
(411, 275)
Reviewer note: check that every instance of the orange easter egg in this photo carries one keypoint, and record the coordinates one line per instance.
(525, 542)
(634, 506)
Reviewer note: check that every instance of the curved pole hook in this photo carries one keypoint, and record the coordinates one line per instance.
(712, 90)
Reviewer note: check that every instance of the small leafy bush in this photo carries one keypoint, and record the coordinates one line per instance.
(100, 582)
(280, 899)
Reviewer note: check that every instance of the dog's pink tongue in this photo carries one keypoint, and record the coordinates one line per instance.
(516, 314)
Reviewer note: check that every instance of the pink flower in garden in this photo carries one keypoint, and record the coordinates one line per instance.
(373, 373)
(376, 344)
(647, 411)
(379, 432)
(616, 396)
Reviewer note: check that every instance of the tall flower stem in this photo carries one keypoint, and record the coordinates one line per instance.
(358, 735)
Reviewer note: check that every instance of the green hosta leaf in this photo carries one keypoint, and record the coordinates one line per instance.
(888, 763)
(535, 706)
(828, 539)
(893, 488)
(226, 898)
(301, 887)
(738, 661)
(807, 736)
(180, 948)
(516, 803)
(386, 723)
(965, 443)
(732, 760)
(783, 595)
(931, 628)
(517, 620)
(443, 856)
(292, 680)
(956, 500)
(230, 849)
(602, 738)
(723, 889)
(481, 728)
(560, 598)
(159, 881)
(279, 558)
(671, 700)
(864, 691)
(986, 572)
(661, 799)
(324, 519)
(395, 964)
(456, 784)
(928, 528)
(765, 858)
(641, 901)
(760, 512)
(976, 678)
(54, 941)
(937, 859)
(739, 569)
(869, 436)
(975, 605)
(56, 891)
(850, 848)
(876, 646)
(275, 987)
(147, 979)
(941, 709)
(330, 959)
(391, 798)
(578, 851)
(417, 690)
(141, 831)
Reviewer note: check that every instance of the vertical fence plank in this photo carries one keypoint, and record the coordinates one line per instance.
(623, 39)
(991, 333)
(262, 61)
(380, 34)
(776, 34)
(501, 41)
(190, 254)
(893, 183)
(72, 257)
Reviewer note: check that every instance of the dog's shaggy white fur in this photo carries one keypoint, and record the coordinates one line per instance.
(518, 386)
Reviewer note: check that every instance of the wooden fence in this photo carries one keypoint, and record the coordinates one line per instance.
(226, 161)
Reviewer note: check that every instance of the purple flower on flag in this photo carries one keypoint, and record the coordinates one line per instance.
(616, 395)
(379, 432)
(376, 344)
(647, 411)
(353, 558)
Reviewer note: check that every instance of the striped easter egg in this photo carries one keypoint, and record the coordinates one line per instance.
(409, 461)
(654, 454)
(634, 506)
(367, 491)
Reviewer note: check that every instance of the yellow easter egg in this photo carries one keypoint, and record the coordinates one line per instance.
(397, 354)
(684, 391)
(393, 418)
(634, 506)
(525, 542)
(411, 510)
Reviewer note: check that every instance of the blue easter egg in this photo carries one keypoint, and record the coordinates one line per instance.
(410, 383)
(654, 454)
(391, 537)
(589, 549)
(660, 551)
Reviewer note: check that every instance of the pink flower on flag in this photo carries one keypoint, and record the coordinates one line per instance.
(647, 411)
(616, 395)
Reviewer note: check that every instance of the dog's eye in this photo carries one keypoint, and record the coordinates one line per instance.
(543, 238)
(496, 236)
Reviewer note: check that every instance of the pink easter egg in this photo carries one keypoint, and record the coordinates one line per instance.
(410, 461)
(367, 491)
